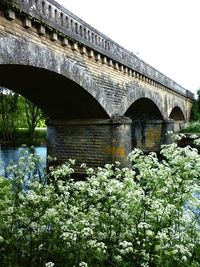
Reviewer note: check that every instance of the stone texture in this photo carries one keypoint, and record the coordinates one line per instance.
(83, 33)
(96, 89)
(94, 142)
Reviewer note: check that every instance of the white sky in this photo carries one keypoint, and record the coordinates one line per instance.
(164, 33)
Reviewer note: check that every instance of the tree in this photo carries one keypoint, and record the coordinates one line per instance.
(195, 111)
(33, 116)
(18, 112)
(8, 109)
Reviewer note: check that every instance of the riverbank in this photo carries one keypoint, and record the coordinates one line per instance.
(21, 136)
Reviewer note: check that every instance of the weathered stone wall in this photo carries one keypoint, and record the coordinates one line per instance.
(50, 14)
(148, 135)
(114, 86)
(94, 142)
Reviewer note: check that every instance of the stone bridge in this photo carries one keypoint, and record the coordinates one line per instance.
(101, 99)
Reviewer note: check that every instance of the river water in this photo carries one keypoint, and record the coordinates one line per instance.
(8, 154)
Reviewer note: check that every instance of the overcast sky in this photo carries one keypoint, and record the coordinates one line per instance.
(164, 33)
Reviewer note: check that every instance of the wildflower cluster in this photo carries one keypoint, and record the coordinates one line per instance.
(147, 215)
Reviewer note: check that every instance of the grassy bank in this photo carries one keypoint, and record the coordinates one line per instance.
(22, 136)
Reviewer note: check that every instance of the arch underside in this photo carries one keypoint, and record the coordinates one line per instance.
(144, 109)
(176, 114)
(56, 95)
(59, 86)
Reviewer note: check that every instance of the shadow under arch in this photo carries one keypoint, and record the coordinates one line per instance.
(58, 96)
(144, 109)
(176, 114)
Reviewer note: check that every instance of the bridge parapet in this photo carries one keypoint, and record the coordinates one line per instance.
(53, 15)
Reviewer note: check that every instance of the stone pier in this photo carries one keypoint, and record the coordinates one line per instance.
(92, 141)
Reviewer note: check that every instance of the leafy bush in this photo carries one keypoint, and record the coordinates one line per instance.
(193, 127)
(195, 111)
(147, 215)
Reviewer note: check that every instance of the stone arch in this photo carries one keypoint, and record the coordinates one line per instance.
(177, 114)
(19, 55)
(142, 93)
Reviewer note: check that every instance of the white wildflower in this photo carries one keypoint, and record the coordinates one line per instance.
(49, 264)
(83, 264)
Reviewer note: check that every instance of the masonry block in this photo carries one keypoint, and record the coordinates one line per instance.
(27, 23)
(41, 30)
(10, 15)
(64, 42)
(53, 36)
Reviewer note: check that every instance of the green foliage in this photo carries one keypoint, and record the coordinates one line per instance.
(147, 215)
(8, 111)
(193, 127)
(33, 116)
(17, 112)
(22, 136)
(28, 115)
(195, 111)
